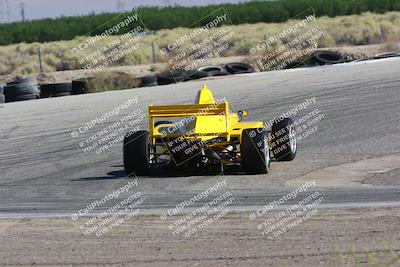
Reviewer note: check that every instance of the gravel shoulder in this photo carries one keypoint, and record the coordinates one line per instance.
(344, 237)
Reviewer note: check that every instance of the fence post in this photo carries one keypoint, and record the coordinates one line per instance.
(153, 53)
(266, 39)
(367, 37)
(382, 31)
(40, 60)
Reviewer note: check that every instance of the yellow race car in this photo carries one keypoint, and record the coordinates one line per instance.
(206, 134)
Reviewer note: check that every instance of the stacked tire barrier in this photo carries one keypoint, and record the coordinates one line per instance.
(214, 71)
(27, 88)
(148, 81)
(297, 64)
(175, 76)
(79, 86)
(327, 58)
(22, 89)
(2, 96)
(228, 69)
(318, 58)
(169, 77)
(55, 90)
(195, 75)
(387, 55)
(238, 68)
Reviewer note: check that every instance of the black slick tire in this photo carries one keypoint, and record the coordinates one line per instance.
(136, 153)
(283, 141)
(254, 151)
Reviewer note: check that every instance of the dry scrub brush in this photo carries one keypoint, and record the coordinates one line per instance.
(367, 28)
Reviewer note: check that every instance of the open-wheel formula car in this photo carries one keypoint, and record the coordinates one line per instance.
(206, 134)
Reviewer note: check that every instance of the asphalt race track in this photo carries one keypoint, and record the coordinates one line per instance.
(354, 156)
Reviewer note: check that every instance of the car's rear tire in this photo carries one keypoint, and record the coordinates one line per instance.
(283, 141)
(136, 153)
(254, 151)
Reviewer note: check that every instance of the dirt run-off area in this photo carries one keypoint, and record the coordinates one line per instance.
(341, 237)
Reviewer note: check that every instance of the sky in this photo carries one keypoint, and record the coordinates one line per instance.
(10, 10)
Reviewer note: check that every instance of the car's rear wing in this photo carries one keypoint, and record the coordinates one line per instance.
(190, 111)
